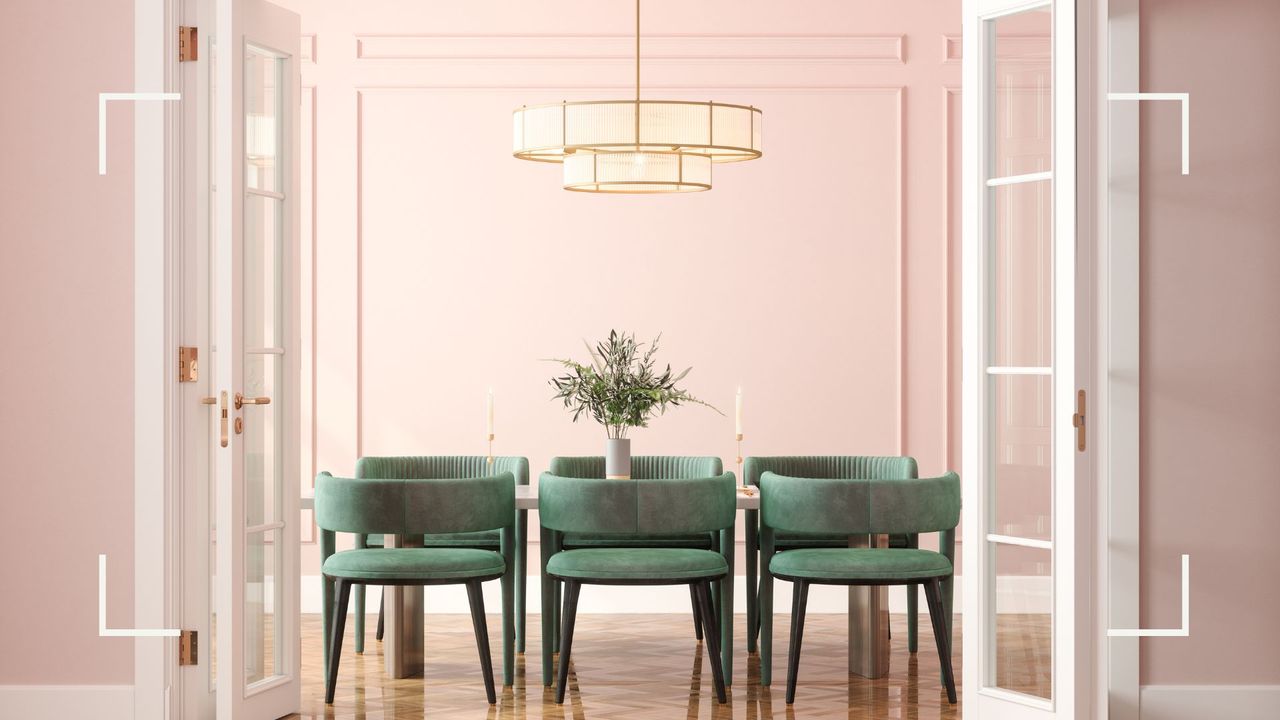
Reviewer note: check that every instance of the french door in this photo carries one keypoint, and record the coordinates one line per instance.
(254, 281)
(1022, 441)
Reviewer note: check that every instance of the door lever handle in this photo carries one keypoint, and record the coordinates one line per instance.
(241, 400)
(1078, 421)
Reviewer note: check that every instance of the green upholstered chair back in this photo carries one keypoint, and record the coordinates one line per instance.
(651, 467)
(858, 506)
(415, 506)
(652, 506)
(830, 466)
(431, 467)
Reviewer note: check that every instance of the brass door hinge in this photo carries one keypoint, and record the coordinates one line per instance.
(188, 648)
(188, 365)
(1077, 420)
(188, 44)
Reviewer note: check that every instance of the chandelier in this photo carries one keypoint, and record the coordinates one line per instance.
(637, 146)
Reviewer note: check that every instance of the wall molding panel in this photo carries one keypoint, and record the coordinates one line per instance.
(655, 48)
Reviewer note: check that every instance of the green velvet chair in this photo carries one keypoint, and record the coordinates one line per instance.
(450, 466)
(841, 506)
(822, 466)
(413, 507)
(648, 467)
(657, 509)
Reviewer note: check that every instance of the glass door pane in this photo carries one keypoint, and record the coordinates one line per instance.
(1018, 236)
(260, 420)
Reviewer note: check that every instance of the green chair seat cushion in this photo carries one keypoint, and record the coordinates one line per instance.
(860, 564)
(700, 540)
(637, 564)
(787, 539)
(413, 564)
(483, 538)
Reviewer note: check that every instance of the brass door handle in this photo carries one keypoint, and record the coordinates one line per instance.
(1078, 421)
(241, 400)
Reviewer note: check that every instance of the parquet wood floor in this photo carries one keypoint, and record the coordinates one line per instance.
(636, 667)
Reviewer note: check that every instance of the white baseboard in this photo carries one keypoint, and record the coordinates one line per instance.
(55, 702)
(1019, 594)
(1196, 702)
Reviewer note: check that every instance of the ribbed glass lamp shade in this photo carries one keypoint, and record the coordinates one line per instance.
(628, 171)
(721, 132)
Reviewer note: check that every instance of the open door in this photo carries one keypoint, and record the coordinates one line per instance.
(1024, 628)
(256, 360)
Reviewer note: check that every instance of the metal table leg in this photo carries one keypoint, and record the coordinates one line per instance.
(403, 637)
(869, 620)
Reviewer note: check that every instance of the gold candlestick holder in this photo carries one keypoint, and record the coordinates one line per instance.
(489, 460)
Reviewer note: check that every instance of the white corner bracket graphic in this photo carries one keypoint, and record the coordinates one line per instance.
(1185, 99)
(102, 117)
(1185, 630)
(103, 630)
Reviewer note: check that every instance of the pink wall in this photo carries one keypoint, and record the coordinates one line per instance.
(821, 278)
(66, 314)
(1211, 341)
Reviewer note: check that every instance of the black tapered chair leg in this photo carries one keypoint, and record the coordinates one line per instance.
(475, 596)
(557, 601)
(712, 639)
(697, 612)
(799, 599)
(933, 595)
(341, 597)
(571, 590)
(382, 608)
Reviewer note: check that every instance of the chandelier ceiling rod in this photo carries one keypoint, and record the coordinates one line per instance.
(637, 75)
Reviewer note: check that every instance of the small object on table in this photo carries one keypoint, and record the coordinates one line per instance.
(489, 424)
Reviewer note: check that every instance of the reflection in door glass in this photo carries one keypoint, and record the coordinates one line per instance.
(263, 593)
(1024, 622)
(262, 130)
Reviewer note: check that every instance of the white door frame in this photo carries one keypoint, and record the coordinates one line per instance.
(1116, 422)
(157, 451)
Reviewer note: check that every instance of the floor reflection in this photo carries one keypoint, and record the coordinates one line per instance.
(650, 666)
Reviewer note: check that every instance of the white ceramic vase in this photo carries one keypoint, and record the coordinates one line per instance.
(617, 458)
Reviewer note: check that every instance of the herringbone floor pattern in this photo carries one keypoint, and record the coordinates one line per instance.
(637, 667)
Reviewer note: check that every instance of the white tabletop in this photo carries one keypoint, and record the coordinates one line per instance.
(527, 499)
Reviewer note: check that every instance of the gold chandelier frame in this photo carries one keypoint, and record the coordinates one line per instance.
(555, 152)
(686, 178)
(648, 133)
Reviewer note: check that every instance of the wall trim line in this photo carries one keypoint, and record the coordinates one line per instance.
(101, 702)
(1195, 702)
(874, 49)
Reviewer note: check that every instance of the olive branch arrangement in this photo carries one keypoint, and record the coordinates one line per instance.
(621, 387)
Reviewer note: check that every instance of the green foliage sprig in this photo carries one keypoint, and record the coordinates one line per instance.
(621, 388)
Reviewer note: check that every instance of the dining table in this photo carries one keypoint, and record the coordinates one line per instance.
(403, 637)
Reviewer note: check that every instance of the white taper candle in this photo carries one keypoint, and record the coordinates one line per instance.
(737, 412)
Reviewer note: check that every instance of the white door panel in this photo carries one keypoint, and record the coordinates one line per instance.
(1020, 280)
(256, 321)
